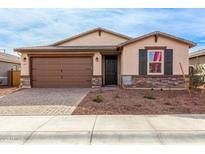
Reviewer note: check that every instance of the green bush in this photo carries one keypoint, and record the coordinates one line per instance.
(98, 98)
(149, 97)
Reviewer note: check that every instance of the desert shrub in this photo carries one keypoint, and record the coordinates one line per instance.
(197, 76)
(167, 103)
(149, 97)
(149, 94)
(98, 98)
(196, 81)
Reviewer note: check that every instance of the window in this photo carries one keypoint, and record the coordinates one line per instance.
(155, 62)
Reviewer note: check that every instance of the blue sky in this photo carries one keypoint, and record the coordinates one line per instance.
(30, 27)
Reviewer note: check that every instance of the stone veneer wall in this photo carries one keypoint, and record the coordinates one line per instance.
(96, 81)
(25, 81)
(152, 81)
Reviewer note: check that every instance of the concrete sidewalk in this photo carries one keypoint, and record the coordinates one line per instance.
(103, 129)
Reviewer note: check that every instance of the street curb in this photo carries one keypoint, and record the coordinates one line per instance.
(102, 137)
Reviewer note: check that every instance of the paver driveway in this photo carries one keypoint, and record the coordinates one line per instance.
(42, 101)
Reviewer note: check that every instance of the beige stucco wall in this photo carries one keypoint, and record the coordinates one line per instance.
(130, 55)
(95, 39)
(97, 65)
(89, 39)
(24, 64)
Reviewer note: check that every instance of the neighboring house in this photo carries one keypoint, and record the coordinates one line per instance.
(197, 58)
(102, 57)
(7, 62)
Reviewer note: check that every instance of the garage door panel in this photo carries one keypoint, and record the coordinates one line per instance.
(76, 71)
(57, 77)
(60, 85)
(46, 67)
(50, 62)
(47, 79)
(45, 60)
(87, 75)
(76, 65)
(62, 72)
(77, 75)
(82, 79)
(74, 59)
(58, 73)
(46, 85)
(46, 72)
(76, 62)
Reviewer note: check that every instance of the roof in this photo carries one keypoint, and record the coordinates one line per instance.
(5, 57)
(54, 47)
(89, 32)
(68, 48)
(158, 33)
(197, 53)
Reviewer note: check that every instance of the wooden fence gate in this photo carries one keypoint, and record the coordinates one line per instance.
(14, 77)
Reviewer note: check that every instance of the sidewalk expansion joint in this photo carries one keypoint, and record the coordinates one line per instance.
(91, 136)
(29, 137)
(158, 135)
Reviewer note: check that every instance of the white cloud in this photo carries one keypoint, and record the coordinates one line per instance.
(29, 27)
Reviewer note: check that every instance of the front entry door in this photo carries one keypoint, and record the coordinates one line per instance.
(110, 70)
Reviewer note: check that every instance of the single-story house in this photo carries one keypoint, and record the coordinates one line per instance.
(7, 62)
(101, 57)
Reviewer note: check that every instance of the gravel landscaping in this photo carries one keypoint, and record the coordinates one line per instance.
(4, 90)
(124, 101)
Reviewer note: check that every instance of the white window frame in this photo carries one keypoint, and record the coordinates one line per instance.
(162, 63)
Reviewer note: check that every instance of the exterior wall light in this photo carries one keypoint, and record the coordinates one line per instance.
(96, 59)
(24, 58)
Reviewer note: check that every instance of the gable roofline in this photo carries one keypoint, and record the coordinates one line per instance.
(197, 53)
(67, 48)
(158, 33)
(89, 32)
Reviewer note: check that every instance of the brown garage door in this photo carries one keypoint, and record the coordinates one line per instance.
(61, 72)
